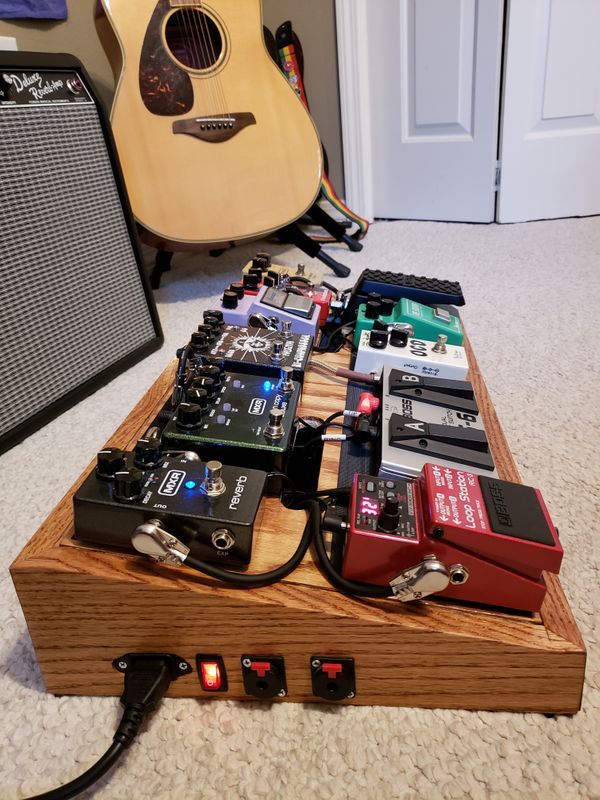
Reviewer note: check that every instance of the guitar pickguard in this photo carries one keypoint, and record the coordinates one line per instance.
(165, 88)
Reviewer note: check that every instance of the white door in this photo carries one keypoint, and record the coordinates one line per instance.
(425, 97)
(550, 138)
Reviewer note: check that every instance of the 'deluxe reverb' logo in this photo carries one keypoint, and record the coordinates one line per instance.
(34, 84)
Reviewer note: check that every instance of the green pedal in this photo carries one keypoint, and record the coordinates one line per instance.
(427, 322)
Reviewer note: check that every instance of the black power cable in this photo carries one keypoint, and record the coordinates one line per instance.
(337, 580)
(147, 679)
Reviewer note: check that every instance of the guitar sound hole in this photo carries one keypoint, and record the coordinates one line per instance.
(193, 38)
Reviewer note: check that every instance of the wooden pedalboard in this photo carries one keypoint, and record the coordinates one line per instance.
(85, 607)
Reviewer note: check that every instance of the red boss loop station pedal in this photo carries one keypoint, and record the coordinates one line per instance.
(452, 533)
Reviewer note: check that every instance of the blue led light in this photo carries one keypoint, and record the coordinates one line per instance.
(267, 386)
(190, 484)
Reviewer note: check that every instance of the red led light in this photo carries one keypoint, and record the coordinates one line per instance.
(210, 676)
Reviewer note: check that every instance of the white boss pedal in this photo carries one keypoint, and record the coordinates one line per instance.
(414, 432)
(393, 348)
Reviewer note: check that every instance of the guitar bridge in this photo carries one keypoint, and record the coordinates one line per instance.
(215, 128)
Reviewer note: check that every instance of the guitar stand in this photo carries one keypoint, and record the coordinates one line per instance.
(162, 263)
(292, 234)
(333, 227)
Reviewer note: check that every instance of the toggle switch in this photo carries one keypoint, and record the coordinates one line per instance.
(211, 673)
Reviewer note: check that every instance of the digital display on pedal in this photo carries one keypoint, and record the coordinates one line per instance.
(374, 496)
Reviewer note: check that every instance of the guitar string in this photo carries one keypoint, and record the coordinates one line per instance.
(200, 28)
(186, 39)
(197, 47)
(216, 78)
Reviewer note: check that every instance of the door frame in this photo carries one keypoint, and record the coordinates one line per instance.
(356, 106)
(355, 103)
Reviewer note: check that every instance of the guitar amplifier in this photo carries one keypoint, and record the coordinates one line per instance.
(75, 305)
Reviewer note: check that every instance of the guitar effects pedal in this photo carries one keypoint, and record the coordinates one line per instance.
(378, 348)
(210, 507)
(301, 312)
(452, 533)
(262, 351)
(394, 285)
(427, 322)
(263, 263)
(247, 419)
(429, 419)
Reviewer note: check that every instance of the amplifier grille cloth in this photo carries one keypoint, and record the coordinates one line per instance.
(71, 297)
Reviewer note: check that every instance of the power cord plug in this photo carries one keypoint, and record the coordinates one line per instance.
(147, 679)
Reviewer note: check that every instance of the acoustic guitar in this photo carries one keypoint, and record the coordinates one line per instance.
(214, 143)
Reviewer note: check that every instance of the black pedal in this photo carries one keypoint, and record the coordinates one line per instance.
(261, 351)
(248, 419)
(211, 508)
(438, 391)
(394, 285)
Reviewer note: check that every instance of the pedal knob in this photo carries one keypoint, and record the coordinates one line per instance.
(380, 325)
(378, 339)
(277, 351)
(264, 258)
(250, 281)
(375, 297)
(199, 342)
(301, 270)
(387, 306)
(274, 428)
(213, 314)
(372, 309)
(199, 397)
(147, 453)
(215, 361)
(238, 288)
(211, 371)
(398, 338)
(214, 324)
(208, 331)
(261, 261)
(286, 383)
(390, 515)
(208, 385)
(213, 484)
(129, 485)
(109, 461)
(189, 415)
(230, 299)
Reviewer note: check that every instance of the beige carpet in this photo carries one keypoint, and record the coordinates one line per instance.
(533, 294)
